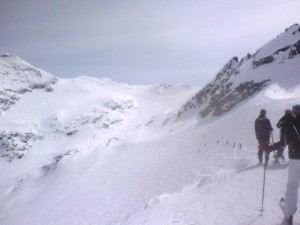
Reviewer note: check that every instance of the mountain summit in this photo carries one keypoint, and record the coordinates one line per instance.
(275, 62)
(18, 77)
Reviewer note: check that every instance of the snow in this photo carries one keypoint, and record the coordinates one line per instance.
(288, 38)
(22, 74)
(108, 153)
(182, 176)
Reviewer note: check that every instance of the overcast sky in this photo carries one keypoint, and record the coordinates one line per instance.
(139, 41)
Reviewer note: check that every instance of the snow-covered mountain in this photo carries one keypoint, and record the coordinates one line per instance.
(36, 105)
(98, 152)
(275, 62)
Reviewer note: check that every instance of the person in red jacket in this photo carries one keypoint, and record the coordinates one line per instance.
(263, 129)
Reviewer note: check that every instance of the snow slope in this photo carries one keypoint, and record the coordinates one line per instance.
(97, 152)
(195, 176)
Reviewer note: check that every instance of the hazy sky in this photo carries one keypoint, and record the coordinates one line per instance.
(139, 41)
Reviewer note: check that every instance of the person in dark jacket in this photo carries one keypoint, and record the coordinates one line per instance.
(263, 129)
(283, 124)
(293, 138)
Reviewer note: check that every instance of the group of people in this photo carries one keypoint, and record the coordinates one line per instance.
(289, 126)
(263, 131)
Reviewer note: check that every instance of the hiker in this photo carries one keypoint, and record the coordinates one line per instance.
(263, 129)
(282, 124)
(293, 138)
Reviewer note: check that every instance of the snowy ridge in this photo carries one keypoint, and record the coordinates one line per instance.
(19, 77)
(240, 80)
(94, 151)
(97, 107)
(282, 42)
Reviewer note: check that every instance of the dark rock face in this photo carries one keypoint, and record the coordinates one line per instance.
(223, 93)
(56, 160)
(295, 49)
(220, 99)
(14, 145)
(219, 105)
(263, 61)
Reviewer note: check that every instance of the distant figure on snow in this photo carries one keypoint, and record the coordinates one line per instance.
(293, 138)
(263, 129)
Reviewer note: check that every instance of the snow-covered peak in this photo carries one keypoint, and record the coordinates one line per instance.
(16, 74)
(12, 58)
(36, 105)
(285, 40)
(18, 77)
(277, 62)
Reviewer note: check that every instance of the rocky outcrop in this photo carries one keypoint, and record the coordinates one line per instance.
(295, 50)
(221, 104)
(57, 159)
(223, 93)
(110, 114)
(263, 61)
(14, 145)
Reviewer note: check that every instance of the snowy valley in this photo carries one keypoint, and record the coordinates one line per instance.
(94, 151)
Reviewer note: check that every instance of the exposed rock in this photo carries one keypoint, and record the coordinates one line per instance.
(263, 61)
(14, 145)
(56, 160)
(219, 87)
(109, 116)
(295, 49)
(223, 93)
(219, 105)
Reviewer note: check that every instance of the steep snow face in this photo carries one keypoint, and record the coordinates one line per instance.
(276, 62)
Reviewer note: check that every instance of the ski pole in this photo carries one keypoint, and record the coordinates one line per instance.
(272, 138)
(272, 142)
(263, 193)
